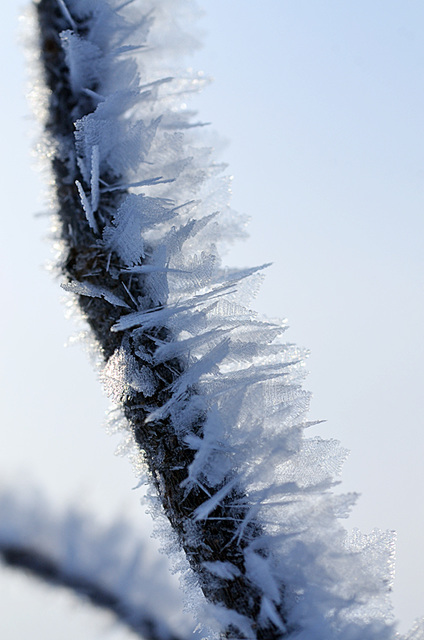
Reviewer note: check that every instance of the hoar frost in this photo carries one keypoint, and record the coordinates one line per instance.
(212, 396)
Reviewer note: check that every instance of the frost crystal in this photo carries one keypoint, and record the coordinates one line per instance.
(212, 396)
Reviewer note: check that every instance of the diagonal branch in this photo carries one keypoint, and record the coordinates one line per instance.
(104, 565)
(46, 568)
(215, 536)
(212, 398)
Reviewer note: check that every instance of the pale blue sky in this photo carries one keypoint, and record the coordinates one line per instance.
(323, 103)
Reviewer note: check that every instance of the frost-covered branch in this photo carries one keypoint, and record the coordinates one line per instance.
(103, 566)
(121, 274)
(211, 395)
(44, 568)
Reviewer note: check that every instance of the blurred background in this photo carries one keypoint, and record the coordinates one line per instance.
(323, 104)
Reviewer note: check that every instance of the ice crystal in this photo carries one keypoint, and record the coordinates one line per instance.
(212, 395)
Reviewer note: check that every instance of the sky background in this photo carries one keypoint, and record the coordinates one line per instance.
(320, 109)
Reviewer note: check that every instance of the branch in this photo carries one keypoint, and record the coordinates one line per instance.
(46, 569)
(212, 397)
(214, 532)
(102, 566)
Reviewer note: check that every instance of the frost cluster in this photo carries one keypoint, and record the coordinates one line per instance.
(231, 366)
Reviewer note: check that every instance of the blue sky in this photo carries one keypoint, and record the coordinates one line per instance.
(323, 105)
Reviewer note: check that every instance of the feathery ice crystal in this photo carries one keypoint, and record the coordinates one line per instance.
(211, 396)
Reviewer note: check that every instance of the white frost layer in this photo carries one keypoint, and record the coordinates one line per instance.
(247, 381)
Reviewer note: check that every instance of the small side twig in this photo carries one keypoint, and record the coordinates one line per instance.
(45, 568)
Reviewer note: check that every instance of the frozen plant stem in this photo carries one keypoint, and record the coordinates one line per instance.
(107, 566)
(47, 569)
(108, 294)
(212, 398)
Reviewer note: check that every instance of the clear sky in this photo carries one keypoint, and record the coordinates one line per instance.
(322, 102)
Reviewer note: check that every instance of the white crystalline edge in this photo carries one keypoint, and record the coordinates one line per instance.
(335, 587)
(93, 291)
